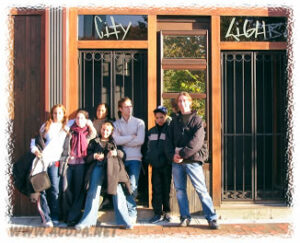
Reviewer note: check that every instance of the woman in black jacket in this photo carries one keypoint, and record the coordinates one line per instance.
(102, 116)
(103, 157)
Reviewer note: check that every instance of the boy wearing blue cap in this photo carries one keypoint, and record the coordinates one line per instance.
(161, 166)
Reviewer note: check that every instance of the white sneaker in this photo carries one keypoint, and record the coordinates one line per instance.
(133, 220)
(81, 226)
(48, 224)
(129, 227)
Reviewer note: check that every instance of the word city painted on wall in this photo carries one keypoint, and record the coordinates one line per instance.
(254, 30)
(114, 29)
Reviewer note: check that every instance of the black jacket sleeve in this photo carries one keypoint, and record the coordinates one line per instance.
(64, 156)
(66, 149)
(169, 144)
(90, 151)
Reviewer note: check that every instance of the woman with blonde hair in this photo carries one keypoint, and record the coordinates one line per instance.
(52, 134)
(103, 165)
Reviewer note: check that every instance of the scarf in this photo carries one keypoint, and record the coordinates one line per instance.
(79, 141)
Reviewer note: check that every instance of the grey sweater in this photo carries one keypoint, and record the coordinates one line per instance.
(130, 135)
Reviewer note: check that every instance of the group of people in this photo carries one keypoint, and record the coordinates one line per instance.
(82, 157)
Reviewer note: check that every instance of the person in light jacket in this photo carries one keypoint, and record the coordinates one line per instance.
(129, 133)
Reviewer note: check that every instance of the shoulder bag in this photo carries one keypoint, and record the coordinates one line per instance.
(41, 180)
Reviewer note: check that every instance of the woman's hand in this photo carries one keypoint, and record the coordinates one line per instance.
(113, 153)
(98, 156)
(89, 123)
(177, 158)
(38, 154)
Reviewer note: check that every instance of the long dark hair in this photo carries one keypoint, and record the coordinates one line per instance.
(107, 110)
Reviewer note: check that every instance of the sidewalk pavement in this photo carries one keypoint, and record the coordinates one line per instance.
(31, 227)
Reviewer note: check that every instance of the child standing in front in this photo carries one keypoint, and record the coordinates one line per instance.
(161, 166)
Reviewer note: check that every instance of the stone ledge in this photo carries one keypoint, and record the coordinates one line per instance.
(254, 211)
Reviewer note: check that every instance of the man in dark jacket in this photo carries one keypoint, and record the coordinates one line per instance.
(161, 166)
(184, 142)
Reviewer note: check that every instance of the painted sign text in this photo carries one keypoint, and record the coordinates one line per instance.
(255, 29)
(109, 30)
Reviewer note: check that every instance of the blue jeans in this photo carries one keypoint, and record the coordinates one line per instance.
(133, 168)
(91, 206)
(195, 173)
(120, 207)
(90, 215)
(49, 199)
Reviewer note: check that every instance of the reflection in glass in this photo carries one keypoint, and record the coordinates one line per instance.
(184, 47)
(176, 81)
(184, 80)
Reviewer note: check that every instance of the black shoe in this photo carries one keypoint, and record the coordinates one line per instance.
(156, 218)
(167, 217)
(71, 223)
(185, 222)
(213, 224)
(106, 204)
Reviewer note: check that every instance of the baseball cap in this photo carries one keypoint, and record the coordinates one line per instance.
(161, 109)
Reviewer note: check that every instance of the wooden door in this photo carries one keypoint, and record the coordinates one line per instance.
(29, 93)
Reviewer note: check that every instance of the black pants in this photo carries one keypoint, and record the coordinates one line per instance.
(72, 198)
(161, 182)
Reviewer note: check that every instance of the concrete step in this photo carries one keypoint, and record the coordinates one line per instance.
(228, 214)
(254, 211)
(143, 214)
(225, 212)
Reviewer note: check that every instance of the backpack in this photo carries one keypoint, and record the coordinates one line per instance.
(20, 173)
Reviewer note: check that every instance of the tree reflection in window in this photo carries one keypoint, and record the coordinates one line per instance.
(184, 47)
(175, 81)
